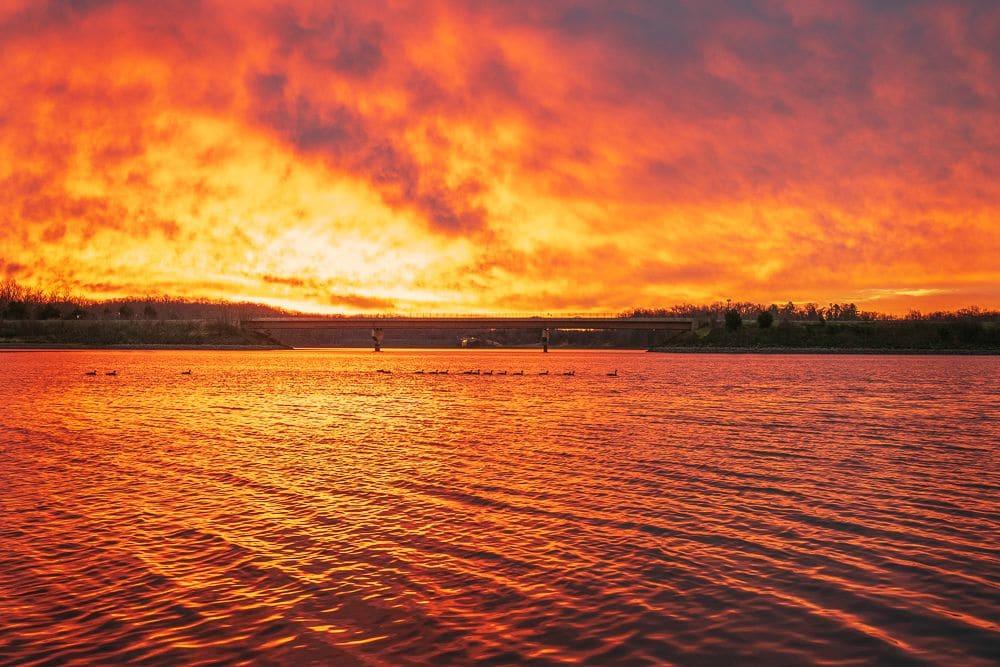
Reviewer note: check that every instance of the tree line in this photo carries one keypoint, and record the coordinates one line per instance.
(19, 302)
(765, 314)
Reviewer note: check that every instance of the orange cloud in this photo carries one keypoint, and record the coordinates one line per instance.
(523, 156)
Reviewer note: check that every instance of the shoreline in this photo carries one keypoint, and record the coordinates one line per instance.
(825, 350)
(30, 347)
(236, 347)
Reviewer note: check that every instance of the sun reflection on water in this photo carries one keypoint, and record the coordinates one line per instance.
(300, 507)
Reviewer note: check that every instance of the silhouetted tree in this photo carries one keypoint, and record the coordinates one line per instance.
(969, 330)
(77, 313)
(149, 312)
(765, 319)
(16, 310)
(733, 319)
(48, 312)
(125, 312)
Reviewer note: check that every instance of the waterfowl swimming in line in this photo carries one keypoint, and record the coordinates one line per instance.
(613, 374)
(543, 372)
(187, 372)
(112, 373)
(384, 370)
(569, 373)
(91, 373)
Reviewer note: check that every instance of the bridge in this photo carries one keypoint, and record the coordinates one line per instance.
(378, 325)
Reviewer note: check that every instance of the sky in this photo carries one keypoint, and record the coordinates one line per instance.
(511, 156)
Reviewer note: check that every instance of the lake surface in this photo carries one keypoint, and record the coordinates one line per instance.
(298, 507)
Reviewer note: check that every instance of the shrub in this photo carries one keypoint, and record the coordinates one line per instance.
(969, 330)
(733, 319)
(48, 312)
(16, 310)
(765, 320)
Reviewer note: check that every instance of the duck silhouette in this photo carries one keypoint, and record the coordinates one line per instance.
(91, 373)
(613, 374)
(187, 372)
(112, 373)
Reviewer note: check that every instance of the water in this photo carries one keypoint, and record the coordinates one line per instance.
(298, 507)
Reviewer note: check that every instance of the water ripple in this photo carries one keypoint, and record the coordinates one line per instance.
(300, 508)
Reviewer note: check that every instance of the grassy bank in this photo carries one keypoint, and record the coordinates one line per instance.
(130, 333)
(896, 336)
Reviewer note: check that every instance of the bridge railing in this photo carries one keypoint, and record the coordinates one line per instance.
(440, 315)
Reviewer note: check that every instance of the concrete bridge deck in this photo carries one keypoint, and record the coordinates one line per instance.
(378, 325)
(473, 322)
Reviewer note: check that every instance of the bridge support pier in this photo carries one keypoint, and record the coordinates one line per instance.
(546, 335)
(377, 335)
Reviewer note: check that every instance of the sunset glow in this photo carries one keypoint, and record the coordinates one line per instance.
(459, 157)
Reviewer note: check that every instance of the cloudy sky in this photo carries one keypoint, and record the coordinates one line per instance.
(507, 156)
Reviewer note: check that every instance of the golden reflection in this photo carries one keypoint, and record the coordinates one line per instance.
(298, 505)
